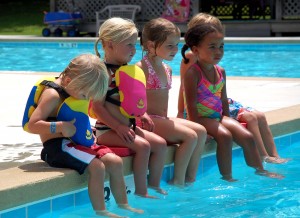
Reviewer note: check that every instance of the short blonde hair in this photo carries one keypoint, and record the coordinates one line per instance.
(157, 30)
(115, 29)
(204, 18)
(88, 73)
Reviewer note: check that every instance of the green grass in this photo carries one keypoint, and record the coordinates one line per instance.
(25, 17)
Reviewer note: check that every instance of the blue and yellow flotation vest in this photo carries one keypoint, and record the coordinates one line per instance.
(76, 110)
(70, 110)
(35, 95)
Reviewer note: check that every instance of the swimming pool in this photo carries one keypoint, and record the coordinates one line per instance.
(240, 59)
(251, 196)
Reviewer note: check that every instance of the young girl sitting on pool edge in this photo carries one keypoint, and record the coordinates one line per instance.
(118, 37)
(256, 120)
(160, 39)
(85, 78)
(206, 99)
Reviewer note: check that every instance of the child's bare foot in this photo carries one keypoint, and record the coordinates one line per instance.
(146, 196)
(275, 160)
(228, 178)
(269, 174)
(128, 207)
(106, 213)
(159, 190)
(189, 179)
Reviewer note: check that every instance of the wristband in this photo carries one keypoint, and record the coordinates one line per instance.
(53, 127)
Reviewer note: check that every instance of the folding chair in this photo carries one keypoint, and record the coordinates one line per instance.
(123, 11)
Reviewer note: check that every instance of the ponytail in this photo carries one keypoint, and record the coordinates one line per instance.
(183, 50)
(96, 47)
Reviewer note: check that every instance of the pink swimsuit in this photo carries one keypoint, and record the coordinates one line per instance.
(153, 82)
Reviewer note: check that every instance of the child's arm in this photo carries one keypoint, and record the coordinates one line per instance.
(224, 99)
(47, 107)
(147, 122)
(183, 69)
(180, 105)
(191, 79)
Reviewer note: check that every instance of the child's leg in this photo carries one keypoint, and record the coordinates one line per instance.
(224, 146)
(140, 160)
(258, 126)
(266, 134)
(157, 157)
(196, 156)
(175, 133)
(245, 139)
(96, 170)
(253, 126)
(272, 155)
(114, 167)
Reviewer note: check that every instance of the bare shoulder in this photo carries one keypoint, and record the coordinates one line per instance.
(222, 71)
(192, 73)
(50, 93)
(168, 66)
(139, 64)
(190, 55)
(142, 65)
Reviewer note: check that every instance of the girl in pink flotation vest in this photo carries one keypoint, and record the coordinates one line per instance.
(114, 127)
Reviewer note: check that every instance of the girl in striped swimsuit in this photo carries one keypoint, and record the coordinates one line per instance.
(206, 99)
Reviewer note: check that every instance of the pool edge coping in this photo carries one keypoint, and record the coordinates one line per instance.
(42, 181)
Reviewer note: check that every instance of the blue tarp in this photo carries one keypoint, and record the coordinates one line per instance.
(62, 18)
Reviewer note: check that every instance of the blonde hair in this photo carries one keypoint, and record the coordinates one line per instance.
(88, 73)
(157, 30)
(115, 29)
(204, 18)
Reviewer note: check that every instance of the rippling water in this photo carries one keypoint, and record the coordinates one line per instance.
(209, 196)
(245, 59)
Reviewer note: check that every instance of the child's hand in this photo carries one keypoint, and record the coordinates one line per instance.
(126, 133)
(68, 129)
(147, 123)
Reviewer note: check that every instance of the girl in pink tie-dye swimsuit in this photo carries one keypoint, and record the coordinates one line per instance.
(209, 102)
(206, 99)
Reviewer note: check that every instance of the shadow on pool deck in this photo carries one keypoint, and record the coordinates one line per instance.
(31, 180)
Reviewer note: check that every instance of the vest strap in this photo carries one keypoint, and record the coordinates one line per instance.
(58, 88)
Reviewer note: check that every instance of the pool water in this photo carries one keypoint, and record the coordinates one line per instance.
(240, 59)
(209, 196)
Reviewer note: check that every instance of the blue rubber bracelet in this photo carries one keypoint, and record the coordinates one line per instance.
(53, 127)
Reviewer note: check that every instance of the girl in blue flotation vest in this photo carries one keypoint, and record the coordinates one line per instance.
(115, 121)
(57, 111)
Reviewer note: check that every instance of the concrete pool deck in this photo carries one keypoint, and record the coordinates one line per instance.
(24, 178)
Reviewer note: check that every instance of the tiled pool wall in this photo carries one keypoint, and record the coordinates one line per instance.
(81, 197)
